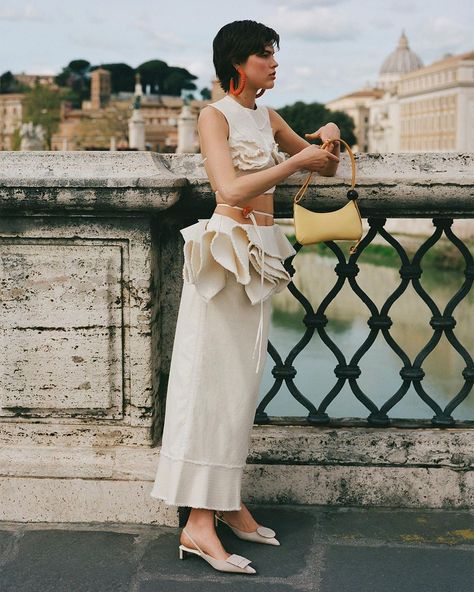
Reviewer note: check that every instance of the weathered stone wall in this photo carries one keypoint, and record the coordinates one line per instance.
(90, 280)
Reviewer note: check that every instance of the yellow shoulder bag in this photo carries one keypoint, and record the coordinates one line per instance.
(342, 224)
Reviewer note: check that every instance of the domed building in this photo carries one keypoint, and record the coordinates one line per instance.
(374, 109)
(413, 107)
(384, 114)
(400, 62)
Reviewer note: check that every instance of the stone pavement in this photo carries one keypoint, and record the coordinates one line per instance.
(326, 549)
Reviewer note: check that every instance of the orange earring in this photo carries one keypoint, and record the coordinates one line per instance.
(240, 88)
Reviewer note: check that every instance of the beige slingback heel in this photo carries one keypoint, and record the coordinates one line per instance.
(233, 563)
(263, 534)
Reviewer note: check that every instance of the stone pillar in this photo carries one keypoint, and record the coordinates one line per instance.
(187, 131)
(136, 130)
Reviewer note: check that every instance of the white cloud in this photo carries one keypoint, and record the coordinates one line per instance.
(404, 6)
(87, 41)
(43, 69)
(315, 24)
(380, 22)
(305, 3)
(158, 38)
(199, 68)
(440, 34)
(304, 71)
(25, 13)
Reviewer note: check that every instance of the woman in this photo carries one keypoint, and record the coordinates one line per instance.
(233, 264)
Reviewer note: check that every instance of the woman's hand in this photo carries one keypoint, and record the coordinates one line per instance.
(314, 158)
(326, 132)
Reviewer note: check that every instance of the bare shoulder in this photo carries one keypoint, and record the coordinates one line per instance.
(209, 116)
(275, 120)
(209, 113)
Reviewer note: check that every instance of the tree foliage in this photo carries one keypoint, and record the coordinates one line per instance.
(154, 74)
(9, 84)
(308, 117)
(42, 106)
(122, 76)
(75, 77)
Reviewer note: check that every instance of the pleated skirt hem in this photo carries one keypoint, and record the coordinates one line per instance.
(181, 482)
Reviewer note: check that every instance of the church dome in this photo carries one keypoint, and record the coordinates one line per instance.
(402, 60)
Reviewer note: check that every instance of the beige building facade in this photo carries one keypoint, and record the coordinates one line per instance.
(102, 121)
(415, 108)
(357, 106)
(11, 109)
(437, 106)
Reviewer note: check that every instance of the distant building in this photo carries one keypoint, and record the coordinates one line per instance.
(11, 106)
(11, 109)
(102, 121)
(356, 105)
(437, 106)
(87, 128)
(383, 132)
(32, 79)
(415, 107)
(100, 88)
(398, 63)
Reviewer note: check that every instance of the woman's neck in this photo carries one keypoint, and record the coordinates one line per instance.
(245, 101)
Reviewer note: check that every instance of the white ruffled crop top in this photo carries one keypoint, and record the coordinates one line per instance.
(251, 140)
(210, 251)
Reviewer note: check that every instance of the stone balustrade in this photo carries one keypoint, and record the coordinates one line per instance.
(90, 278)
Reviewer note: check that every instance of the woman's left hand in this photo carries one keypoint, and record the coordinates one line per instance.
(326, 132)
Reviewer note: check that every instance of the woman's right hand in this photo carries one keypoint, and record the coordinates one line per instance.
(313, 158)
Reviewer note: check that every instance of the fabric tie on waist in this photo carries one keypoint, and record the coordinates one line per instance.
(249, 213)
(221, 245)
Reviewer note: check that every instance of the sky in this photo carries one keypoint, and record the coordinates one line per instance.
(327, 47)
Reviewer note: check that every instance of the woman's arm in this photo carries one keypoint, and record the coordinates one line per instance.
(213, 132)
(291, 143)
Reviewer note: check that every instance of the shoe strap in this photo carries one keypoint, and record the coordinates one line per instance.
(192, 540)
(234, 559)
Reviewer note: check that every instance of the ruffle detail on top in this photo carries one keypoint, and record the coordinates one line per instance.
(248, 154)
(221, 244)
(276, 154)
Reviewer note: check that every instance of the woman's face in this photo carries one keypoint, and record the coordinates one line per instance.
(259, 67)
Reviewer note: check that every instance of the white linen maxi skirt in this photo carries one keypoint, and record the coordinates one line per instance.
(230, 272)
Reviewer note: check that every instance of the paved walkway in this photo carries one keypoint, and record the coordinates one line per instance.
(322, 549)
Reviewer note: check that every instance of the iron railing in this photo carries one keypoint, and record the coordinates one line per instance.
(348, 370)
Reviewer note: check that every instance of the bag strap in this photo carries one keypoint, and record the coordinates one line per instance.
(303, 188)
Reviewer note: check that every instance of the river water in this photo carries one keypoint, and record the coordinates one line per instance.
(347, 326)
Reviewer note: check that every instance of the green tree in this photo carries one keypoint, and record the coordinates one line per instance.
(122, 76)
(16, 139)
(179, 79)
(42, 106)
(164, 79)
(9, 84)
(153, 73)
(308, 117)
(75, 77)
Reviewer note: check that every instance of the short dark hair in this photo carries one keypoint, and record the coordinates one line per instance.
(235, 42)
